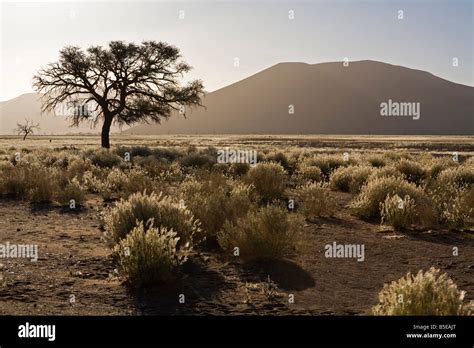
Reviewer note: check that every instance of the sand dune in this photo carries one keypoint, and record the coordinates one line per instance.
(328, 98)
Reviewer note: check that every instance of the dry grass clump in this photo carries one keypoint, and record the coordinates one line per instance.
(376, 160)
(172, 174)
(295, 156)
(316, 201)
(14, 180)
(280, 158)
(73, 190)
(215, 201)
(168, 154)
(149, 255)
(367, 204)
(119, 183)
(268, 233)
(460, 176)
(309, 173)
(239, 169)
(398, 212)
(198, 160)
(151, 165)
(103, 158)
(269, 180)
(437, 165)
(42, 186)
(453, 195)
(469, 162)
(28, 181)
(394, 156)
(77, 166)
(350, 179)
(60, 159)
(426, 293)
(125, 183)
(133, 151)
(328, 163)
(165, 212)
(385, 172)
(411, 170)
(455, 205)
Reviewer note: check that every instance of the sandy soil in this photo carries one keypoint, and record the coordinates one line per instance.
(74, 261)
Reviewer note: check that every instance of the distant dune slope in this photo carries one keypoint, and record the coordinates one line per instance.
(328, 98)
(29, 106)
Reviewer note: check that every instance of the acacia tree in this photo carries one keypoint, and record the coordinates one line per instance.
(26, 128)
(126, 83)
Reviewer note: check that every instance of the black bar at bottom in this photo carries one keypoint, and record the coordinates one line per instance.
(452, 331)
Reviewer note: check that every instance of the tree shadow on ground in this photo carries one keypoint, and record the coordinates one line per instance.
(47, 207)
(286, 274)
(442, 237)
(199, 284)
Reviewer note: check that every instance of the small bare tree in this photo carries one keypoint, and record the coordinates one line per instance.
(26, 128)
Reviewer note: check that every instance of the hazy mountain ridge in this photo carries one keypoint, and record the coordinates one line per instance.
(327, 98)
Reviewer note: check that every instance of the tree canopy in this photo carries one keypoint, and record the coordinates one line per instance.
(126, 83)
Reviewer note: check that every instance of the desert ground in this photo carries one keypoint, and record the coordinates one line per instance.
(76, 272)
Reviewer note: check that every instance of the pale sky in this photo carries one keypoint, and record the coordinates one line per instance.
(259, 33)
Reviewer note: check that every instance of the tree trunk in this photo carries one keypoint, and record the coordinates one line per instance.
(106, 131)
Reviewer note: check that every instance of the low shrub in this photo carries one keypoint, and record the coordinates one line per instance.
(385, 172)
(455, 204)
(309, 173)
(126, 214)
(367, 204)
(411, 170)
(397, 212)
(125, 183)
(71, 191)
(376, 160)
(133, 151)
(103, 158)
(14, 180)
(328, 163)
(167, 154)
(393, 156)
(77, 167)
(198, 160)
(26, 181)
(280, 158)
(269, 180)
(426, 293)
(269, 233)
(315, 201)
(214, 202)
(42, 186)
(151, 165)
(461, 176)
(149, 255)
(350, 179)
(436, 166)
(239, 169)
